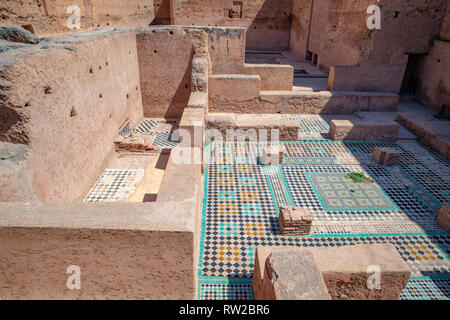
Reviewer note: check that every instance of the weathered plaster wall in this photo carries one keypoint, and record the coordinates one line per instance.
(49, 17)
(301, 13)
(166, 54)
(165, 64)
(433, 88)
(168, 74)
(66, 98)
(339, 36)
(124, 251)
(267, 22)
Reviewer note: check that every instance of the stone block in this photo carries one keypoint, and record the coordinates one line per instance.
(385, 156)
(295, 221)
(273, 155)
(363, 130)
(348, 270)
(292, 275)
(443, 219)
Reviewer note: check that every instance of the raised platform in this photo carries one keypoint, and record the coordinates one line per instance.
(430, 129)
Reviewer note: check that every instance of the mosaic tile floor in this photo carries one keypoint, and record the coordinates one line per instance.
(242, 198)
(164, 137)
(115, 185)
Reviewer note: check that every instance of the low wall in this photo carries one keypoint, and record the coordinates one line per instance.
(346, 270)
(323, 102)
(267, 22)
(124, 251)
(62, 98)
(234, 87)
(273, 77)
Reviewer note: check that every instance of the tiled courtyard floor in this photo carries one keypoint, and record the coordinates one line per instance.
(242, 198)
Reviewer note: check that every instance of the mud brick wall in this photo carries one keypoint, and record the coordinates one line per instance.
(49, 17)
(66, 99)
(339, 37)
(433, 87)
(268, 22)
(124, 251)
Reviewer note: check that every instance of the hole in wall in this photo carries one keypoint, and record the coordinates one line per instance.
(90, 70)
(73, 112)
(27, 104)
(100, 96)
(29, 27)
(47, 90)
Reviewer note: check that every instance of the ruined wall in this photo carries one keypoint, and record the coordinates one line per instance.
(267, 21)
(433, 88)
(49, 17)
(339, 36)
(66, 98)
(165, 64)
(124, 251)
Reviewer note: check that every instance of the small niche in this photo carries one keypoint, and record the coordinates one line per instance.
(100, 96)
(73, 112)
(29, 27)
(47, 90)
(90, 70)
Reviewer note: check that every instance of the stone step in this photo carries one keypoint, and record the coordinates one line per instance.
(300, 102)
(288, 129)
(430, 130)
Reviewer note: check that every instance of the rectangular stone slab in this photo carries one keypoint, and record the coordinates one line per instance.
(292, 275)
(345, 270)
(363, 130)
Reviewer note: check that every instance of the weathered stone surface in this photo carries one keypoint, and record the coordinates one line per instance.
(124, 251)
(346, 270)
(306, 102)
(42, 106)
(385, 156)
(292, 275)
(363, 130)
(267, 22)
(294, 221)
(47, 18)
(273, 77)
(443, 218)
(430, 131)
